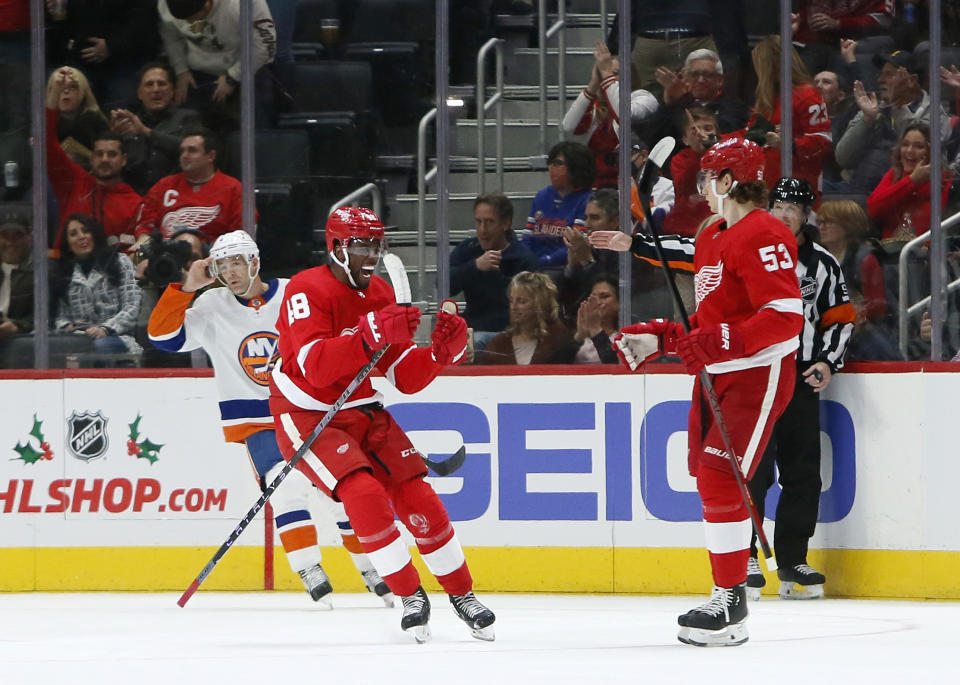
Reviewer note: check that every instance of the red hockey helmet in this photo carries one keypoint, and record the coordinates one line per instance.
(350, 223)
(744, 158)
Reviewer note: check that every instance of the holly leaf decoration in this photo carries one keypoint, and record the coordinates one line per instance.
(148, 450)
(36, 430)
(135, 427)
(27, 453)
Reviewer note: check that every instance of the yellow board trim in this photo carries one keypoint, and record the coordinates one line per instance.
(850, 573)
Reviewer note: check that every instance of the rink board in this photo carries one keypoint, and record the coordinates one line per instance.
(571, 483)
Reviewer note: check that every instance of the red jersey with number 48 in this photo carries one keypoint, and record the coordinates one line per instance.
(321, 353)
(746, 277)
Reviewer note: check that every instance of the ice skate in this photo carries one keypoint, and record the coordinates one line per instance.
(755, 579)
(416, 615)
(477, 617)
(378, 586)
(721, 622)
(318, 585)
(801, 582)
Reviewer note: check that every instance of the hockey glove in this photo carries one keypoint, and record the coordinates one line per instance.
(449, 338)
(709, 345)
(644, 342)
(392, 324)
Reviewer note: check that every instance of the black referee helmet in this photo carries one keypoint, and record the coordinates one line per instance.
(795, 190)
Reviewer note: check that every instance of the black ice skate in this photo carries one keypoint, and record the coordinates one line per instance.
(721, 622)
(378, 586)
(318, 585)
(416, 615)
(755, 579)
(477, 617)
(801, 582)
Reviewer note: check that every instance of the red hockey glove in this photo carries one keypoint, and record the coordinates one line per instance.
(644, 342)
(449, 339)
(392, 324)
(709, 345)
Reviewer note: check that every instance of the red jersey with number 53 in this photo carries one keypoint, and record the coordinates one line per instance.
(321, 353)
(746, 277)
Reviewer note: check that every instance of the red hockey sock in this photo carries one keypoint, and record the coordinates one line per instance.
(424, 515)
(368, 508)
(726, 524)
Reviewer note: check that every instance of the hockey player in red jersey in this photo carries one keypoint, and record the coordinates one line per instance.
(745, 333)
(235, 325)
(334, 318)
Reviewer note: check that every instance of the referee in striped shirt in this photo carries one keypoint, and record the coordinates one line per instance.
(795, 444)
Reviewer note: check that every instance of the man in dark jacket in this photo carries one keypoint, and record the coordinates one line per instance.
(482, 267)
(107, 40)
(16, 275)
(153, 128)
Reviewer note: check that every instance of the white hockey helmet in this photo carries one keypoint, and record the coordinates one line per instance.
(233, 244)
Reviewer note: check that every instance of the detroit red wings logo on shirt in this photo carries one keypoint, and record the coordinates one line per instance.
(188, 217)
(707, 280)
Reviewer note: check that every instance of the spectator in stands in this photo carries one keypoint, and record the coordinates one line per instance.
(841, 108)
(700, 84)
(535, 334)
(202, 40)
(200, 197)
(598, 321)
(602, 213)
(562, 203)
(820, 24)
(14, 67)
(153, 128)
(482, 267)
(594, 114)
(96, 290)
(843, 231)
(80, 120)
(810, 137)
(951, 78)
(16, 276)
(663, 33)
(108, 39)
(864, 149)
(690, 210)
(100, 193)
(901, 201)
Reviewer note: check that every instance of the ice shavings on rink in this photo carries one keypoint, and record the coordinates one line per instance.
(284, 638)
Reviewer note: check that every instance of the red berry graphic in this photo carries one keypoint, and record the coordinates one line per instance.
(45, 446)
(48, 455)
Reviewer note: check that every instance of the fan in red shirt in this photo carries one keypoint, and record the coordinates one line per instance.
(827, 21)
(334, 318)
(100, 193)
(200, 197)
(811, 136)
(745, 334)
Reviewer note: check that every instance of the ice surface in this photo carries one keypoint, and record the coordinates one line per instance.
(283, 638)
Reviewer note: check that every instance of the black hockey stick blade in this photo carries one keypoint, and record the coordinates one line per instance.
(450, 464)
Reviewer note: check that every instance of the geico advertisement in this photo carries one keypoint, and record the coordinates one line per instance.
(551, 460)
(118, 448)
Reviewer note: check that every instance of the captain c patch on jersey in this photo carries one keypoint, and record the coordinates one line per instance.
(257, 354)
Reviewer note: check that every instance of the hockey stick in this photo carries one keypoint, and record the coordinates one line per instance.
(398, 277)
(648, 176)
(450, 464)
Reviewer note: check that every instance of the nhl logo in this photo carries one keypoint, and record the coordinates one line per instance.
(87, 435)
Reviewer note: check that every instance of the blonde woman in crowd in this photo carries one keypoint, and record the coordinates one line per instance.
(535, 334)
